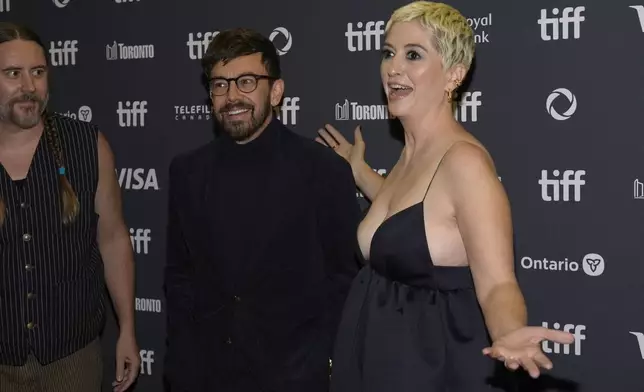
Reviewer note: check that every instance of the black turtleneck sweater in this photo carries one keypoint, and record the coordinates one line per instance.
(261, 253)
(244, 173)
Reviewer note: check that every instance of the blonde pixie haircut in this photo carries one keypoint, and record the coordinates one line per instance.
(453, 37)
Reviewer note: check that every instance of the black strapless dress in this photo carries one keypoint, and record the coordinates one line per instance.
(408, 325)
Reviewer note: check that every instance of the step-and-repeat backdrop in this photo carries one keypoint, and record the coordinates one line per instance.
(555, 94)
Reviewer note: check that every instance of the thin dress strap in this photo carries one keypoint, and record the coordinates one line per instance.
(439, 165)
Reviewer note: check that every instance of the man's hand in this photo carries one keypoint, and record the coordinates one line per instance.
(128, 362)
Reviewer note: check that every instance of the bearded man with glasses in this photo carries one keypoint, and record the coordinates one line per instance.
(260, 240)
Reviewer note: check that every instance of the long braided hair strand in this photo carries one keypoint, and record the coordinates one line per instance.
(69, 200)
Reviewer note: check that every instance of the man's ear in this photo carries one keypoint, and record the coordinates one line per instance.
(277, 91)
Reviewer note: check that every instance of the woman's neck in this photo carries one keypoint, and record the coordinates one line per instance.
(424, 130)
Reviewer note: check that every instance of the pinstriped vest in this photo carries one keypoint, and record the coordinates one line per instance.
(51, 276)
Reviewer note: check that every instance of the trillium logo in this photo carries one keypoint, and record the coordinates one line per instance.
(593, 264)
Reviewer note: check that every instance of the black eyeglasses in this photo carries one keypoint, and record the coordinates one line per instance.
(246, 83)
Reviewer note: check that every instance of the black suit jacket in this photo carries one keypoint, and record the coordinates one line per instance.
(276, 324)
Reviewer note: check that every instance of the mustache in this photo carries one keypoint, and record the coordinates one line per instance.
(235, 106)
(29, 97)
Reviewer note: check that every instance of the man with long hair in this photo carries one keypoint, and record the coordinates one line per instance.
(62, 237)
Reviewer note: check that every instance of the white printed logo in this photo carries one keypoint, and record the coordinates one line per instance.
(151, 305)
(61, 3)
(125, 1)
(137, 179)
(192, 112)
(119, 51)
(5, 5)
(132, 114)
(577, 332)
(140, 239)
(592, 264)
(640, 341)
(287, 113)
(198, 44)
(640, 14)
(565, 185)
(367, 33)
(638, 190)
(287, 36)
(572, 104)
(355, 111)
(63, 52)
(146, 360)
(571, 15)
(84, 114)
(468, 103)
(482, 36)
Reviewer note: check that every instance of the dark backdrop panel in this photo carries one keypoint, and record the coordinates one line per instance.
(557, 101)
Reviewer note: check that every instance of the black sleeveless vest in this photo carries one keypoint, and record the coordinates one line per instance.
(51, 275)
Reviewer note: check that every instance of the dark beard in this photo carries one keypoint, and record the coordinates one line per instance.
(31, 119)
(243, 130)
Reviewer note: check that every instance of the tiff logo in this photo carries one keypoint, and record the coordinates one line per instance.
(640, 14)
(571, 15)
(63, 52)
(198, 46)
(140, 239)
(5, 5)
(362, 38)
(550, 188)
(556, 347)
(146, 361)
(132, 114)
(288, 112)
(638, 190)
(468, 103)
(640, 341)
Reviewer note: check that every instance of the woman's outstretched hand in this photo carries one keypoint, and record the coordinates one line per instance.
(522, 348)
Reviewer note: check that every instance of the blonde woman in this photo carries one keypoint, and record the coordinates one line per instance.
(438, 285)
